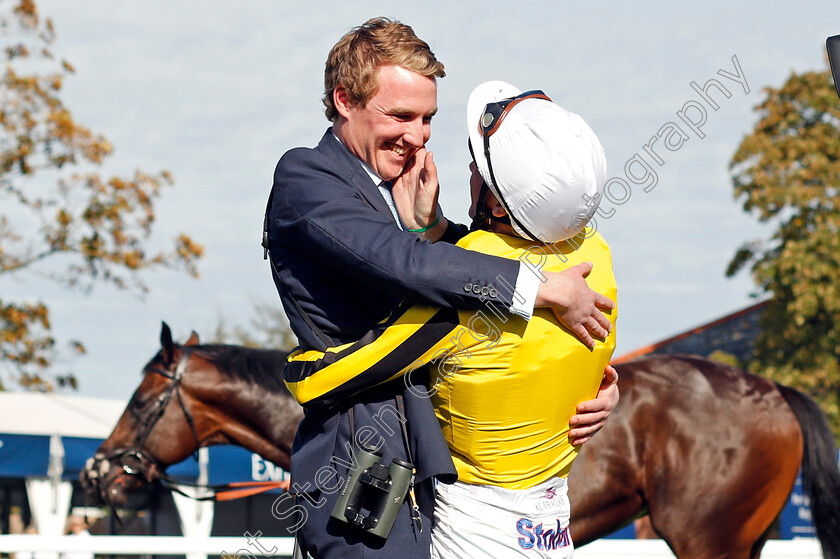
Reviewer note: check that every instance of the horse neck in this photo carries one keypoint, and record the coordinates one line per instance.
(258, 410)
(260, 419)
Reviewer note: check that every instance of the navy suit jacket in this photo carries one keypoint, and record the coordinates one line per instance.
(338, 252)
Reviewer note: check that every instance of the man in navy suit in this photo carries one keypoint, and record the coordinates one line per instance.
(343, 258)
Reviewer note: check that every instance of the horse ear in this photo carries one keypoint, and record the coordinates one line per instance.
(193, 339)
(166, 343)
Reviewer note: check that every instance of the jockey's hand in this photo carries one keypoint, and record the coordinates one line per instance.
(574, 304)
(592, 415)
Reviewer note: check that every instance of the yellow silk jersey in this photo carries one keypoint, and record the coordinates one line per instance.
(504, 388)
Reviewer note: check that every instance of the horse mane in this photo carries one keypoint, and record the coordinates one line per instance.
(263, 367)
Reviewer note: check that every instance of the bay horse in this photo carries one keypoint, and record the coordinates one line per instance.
(193, 396)
(710, 452)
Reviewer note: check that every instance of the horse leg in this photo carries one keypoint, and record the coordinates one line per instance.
(597, 519)
(644, 529)
(604, 484)
(759, 544)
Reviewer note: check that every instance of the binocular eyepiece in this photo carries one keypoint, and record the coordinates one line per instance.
(372, 495)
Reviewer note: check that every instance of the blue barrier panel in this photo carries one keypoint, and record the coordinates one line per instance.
(232, 463)
(796, 516)
(77, 450)
(796, 520)
(185, 470)
(626, 533)
(24, 455)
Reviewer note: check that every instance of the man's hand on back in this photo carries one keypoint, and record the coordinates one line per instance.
(574, 304)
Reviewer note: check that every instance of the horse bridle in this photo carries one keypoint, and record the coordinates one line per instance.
(133, 460)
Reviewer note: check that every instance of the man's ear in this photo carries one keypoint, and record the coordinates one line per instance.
(341, 100)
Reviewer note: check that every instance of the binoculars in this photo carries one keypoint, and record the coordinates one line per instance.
(372, 495)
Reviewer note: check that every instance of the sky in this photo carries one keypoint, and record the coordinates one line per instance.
(215, 92)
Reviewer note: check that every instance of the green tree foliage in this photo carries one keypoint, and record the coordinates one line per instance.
(726, 358)
(787, 172)
(59, 219)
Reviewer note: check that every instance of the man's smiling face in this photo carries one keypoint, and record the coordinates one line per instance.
(394, 124)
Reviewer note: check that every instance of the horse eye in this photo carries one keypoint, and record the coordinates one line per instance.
(138, 403)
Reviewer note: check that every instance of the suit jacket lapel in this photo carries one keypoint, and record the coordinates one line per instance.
(336, 151)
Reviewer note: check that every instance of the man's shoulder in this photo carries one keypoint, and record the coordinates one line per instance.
(328, 164)
(322, 154)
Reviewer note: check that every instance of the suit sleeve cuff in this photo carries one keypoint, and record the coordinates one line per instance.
(525, 293)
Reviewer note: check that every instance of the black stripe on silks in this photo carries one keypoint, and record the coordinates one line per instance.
(295, 371)
(435, 329)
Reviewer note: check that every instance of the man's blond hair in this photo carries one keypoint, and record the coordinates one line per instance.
(355, 59)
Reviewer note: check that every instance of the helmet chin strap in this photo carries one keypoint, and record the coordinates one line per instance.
(484, 217)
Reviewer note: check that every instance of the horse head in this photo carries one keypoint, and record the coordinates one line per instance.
(156, 429)
(193, 396)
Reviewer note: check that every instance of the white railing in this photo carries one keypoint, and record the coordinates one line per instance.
(282, 547)
(657, 549)
(149, 545)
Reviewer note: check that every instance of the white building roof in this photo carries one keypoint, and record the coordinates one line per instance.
(35, 413)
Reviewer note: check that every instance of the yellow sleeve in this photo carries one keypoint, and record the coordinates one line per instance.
(394, 348)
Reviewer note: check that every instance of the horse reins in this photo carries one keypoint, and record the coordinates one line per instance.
(136, 462)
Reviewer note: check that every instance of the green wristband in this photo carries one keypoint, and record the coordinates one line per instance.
(426, 228)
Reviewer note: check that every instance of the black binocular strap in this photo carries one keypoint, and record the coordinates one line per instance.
(351, 417)
(401, 410)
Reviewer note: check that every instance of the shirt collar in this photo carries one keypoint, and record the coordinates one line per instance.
(377, 180)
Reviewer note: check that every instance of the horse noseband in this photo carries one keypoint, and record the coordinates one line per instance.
(134, 463)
